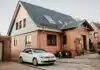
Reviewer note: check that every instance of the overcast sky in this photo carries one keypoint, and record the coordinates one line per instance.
(82, 9)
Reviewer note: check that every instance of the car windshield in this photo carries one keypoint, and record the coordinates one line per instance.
(39, 51)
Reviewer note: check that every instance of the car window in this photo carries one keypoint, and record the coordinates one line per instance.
(27, 51)
(39, 51)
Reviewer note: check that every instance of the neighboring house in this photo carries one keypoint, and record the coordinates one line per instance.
(37, 27)
(95, 35)
(5, 48)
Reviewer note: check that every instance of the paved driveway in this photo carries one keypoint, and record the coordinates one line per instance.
(15, 66)
(85, 62)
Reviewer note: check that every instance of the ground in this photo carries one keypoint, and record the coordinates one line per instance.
(15, 66)
(84, 62)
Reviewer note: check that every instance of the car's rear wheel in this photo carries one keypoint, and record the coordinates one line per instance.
(21, 60)
(35, 62)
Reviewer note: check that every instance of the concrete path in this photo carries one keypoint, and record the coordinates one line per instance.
(15, 66)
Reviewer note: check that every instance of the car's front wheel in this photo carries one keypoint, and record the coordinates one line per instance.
(35, 62)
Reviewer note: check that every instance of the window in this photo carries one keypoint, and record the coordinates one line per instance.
(64, 39)
(28, 40)
(24, 23)
(39, 51)
(95, 34)
(20, 25)
(17, 26)
(98, 43)
(28, 51)
(51, 39)
(49, 18)
(60, 22)
(66, 23)
(15, 42)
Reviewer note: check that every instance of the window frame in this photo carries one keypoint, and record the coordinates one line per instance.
(51, 40)
(24, 22)
(17, 26)
(28, 40)
(20, 24)
(15, 42)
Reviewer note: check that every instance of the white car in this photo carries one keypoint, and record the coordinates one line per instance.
(36, 56)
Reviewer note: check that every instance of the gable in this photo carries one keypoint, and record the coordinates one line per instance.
(94, 27)
(20, 16)
(97, 25)
(86, 25)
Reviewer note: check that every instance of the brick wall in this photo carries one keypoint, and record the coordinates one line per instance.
(6, 47)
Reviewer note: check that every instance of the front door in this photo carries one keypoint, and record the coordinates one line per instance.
(84, 42)
(1, 46)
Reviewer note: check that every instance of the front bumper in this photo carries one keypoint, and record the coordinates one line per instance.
(46, 61)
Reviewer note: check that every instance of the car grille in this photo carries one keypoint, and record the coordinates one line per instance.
(47, 57)
(49, 61)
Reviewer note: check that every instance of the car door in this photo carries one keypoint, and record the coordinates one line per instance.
(28, 55)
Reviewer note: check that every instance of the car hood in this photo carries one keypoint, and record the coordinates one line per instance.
(44, 54)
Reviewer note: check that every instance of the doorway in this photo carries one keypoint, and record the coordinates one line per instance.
(1, 50)
(84, 42)
(91, 47)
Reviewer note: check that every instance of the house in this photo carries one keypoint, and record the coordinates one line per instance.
(38, 27)
(95, 34)
(5, 48)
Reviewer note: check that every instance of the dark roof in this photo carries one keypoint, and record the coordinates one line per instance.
(37, 14)
(97, 25)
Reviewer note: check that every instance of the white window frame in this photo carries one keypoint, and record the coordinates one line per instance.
(28, 40)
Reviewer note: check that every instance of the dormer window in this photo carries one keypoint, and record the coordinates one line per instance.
(49, 18)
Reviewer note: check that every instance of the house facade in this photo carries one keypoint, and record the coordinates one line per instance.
(37, 27)
(95, 35)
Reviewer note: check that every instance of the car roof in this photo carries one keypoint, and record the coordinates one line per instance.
(34, 48)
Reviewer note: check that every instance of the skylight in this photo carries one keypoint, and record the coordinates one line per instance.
(60, 22)
(66, 23)
(49, 18)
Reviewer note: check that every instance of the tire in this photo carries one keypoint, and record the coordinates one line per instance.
(21, 60)
(34, 62)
